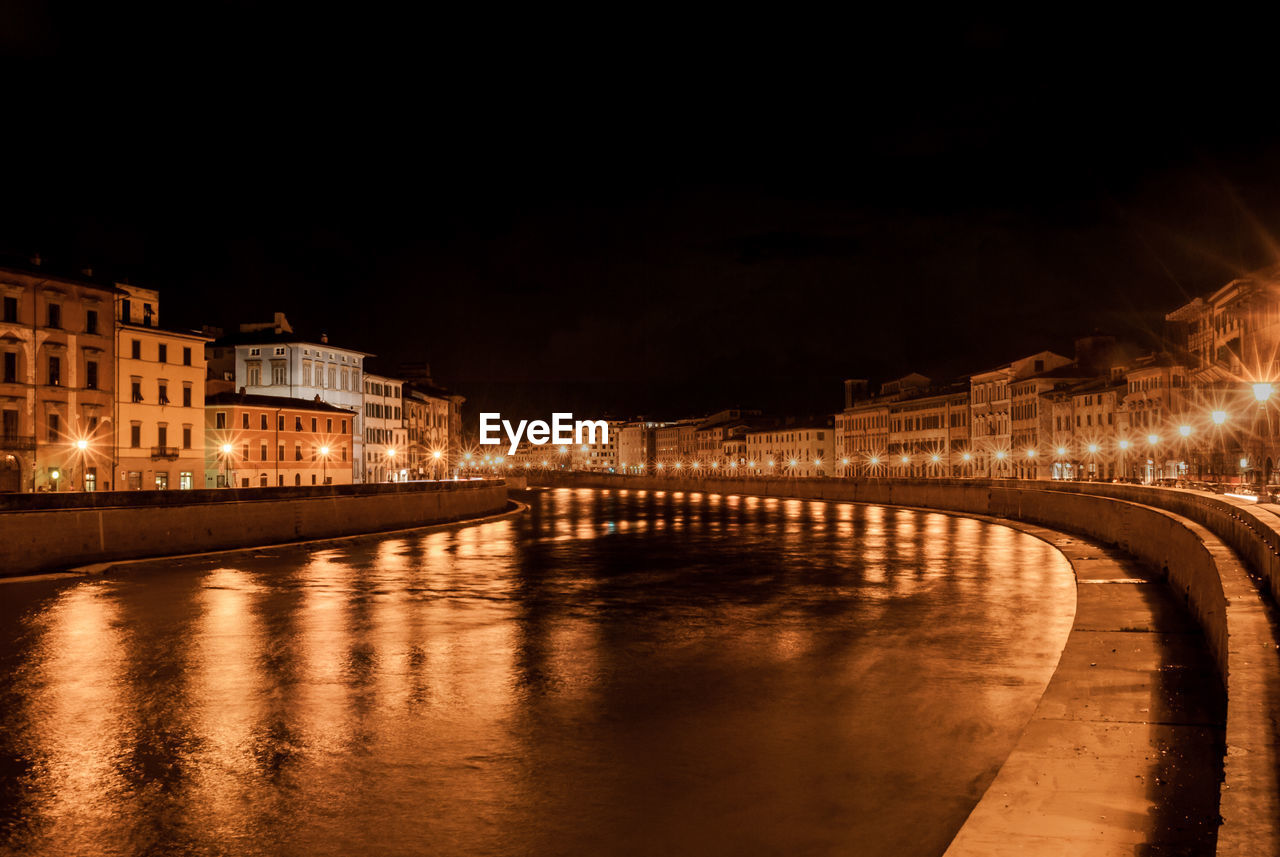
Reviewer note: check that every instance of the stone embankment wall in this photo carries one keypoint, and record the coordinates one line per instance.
(53, 532)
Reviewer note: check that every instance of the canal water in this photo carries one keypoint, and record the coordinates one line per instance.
(632, 673)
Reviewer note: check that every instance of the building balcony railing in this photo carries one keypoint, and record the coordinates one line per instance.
(17, 442)
(164, 453)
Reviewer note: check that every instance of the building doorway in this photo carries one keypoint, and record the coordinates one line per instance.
(10, 474)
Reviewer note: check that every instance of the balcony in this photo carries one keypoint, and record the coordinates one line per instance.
(17, 442)
(164, 453)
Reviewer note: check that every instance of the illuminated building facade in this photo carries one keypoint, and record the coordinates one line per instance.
(57, 380)
(270, 359)
(386, 441)
(256, 441)
(160, 389)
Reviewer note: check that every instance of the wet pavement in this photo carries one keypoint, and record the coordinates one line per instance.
(612, 672)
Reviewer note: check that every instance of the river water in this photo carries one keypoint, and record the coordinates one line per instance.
(634, 673)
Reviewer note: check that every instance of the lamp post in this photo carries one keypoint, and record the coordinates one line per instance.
(391, 455)
(1262, 393)
(1153, 449)
(324, 465)
(1219, 418)
(81, 447)
(436, 455)
(226, 465)
(1124, 458)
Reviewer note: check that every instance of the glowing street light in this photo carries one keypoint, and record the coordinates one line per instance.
(82, 444)
(1062, 450)
(324, 465)
(1219, 417)
(1262, 391)
(1184, 430)
(1153, 439)
(1093, 449)
(1124, 444)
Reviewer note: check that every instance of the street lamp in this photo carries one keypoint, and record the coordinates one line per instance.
(226, 465)
(324, 465)
(391, 454)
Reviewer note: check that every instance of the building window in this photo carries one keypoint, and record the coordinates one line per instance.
(262, 423)
(162, 353)
(135, 349)
(10, 425)
(91, 479)
(297, 423)
(10, 367)
(244, 420)
(297, 452)
(262, 481)
(328, 425)
(91, 321)
(162, 435)
(186, 437)
(244, 452)
(162, 480)
(185, 481)
(11, 310)
(163, 396)
(279, 350)
(279, 373)
(54, 421)
(280, 422)
(147, 315)
(280, 453)
(297, 478)
(91, 375)
(344, 426)
(344, 452)
(220, 420)
(135, 435)
(313, 424)
(93, 424)
(255, 374)
(55, 316)
(55, 371)
(186, 395)
(186, 356)
(262, 450)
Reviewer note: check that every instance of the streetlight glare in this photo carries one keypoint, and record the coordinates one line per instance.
(1184, 430)
(1153, 439)
(226, 449)
(82, 444)
(1093, 448)
(1262, 391)
(1062, 450)
(1124, 444)
(1219, 417)
(324, 450)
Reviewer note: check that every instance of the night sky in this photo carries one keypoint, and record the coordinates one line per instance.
(605, 238)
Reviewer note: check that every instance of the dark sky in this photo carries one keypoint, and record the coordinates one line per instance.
(649, 231)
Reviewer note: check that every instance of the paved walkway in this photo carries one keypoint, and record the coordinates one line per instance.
(1123, 755)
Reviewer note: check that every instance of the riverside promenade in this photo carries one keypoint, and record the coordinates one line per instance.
(1097, 770)
(42, 533)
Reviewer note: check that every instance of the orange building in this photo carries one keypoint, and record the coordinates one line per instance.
(254, 441)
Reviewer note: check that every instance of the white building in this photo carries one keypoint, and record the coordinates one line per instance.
(792, 451)
(386, 437)
(271, 360)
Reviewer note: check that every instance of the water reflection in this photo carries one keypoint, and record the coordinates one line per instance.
(614, 672)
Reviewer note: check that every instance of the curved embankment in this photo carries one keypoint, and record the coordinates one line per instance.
(1201, 543)
(50, 532)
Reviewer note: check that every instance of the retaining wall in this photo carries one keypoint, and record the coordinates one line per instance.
(40, 533)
